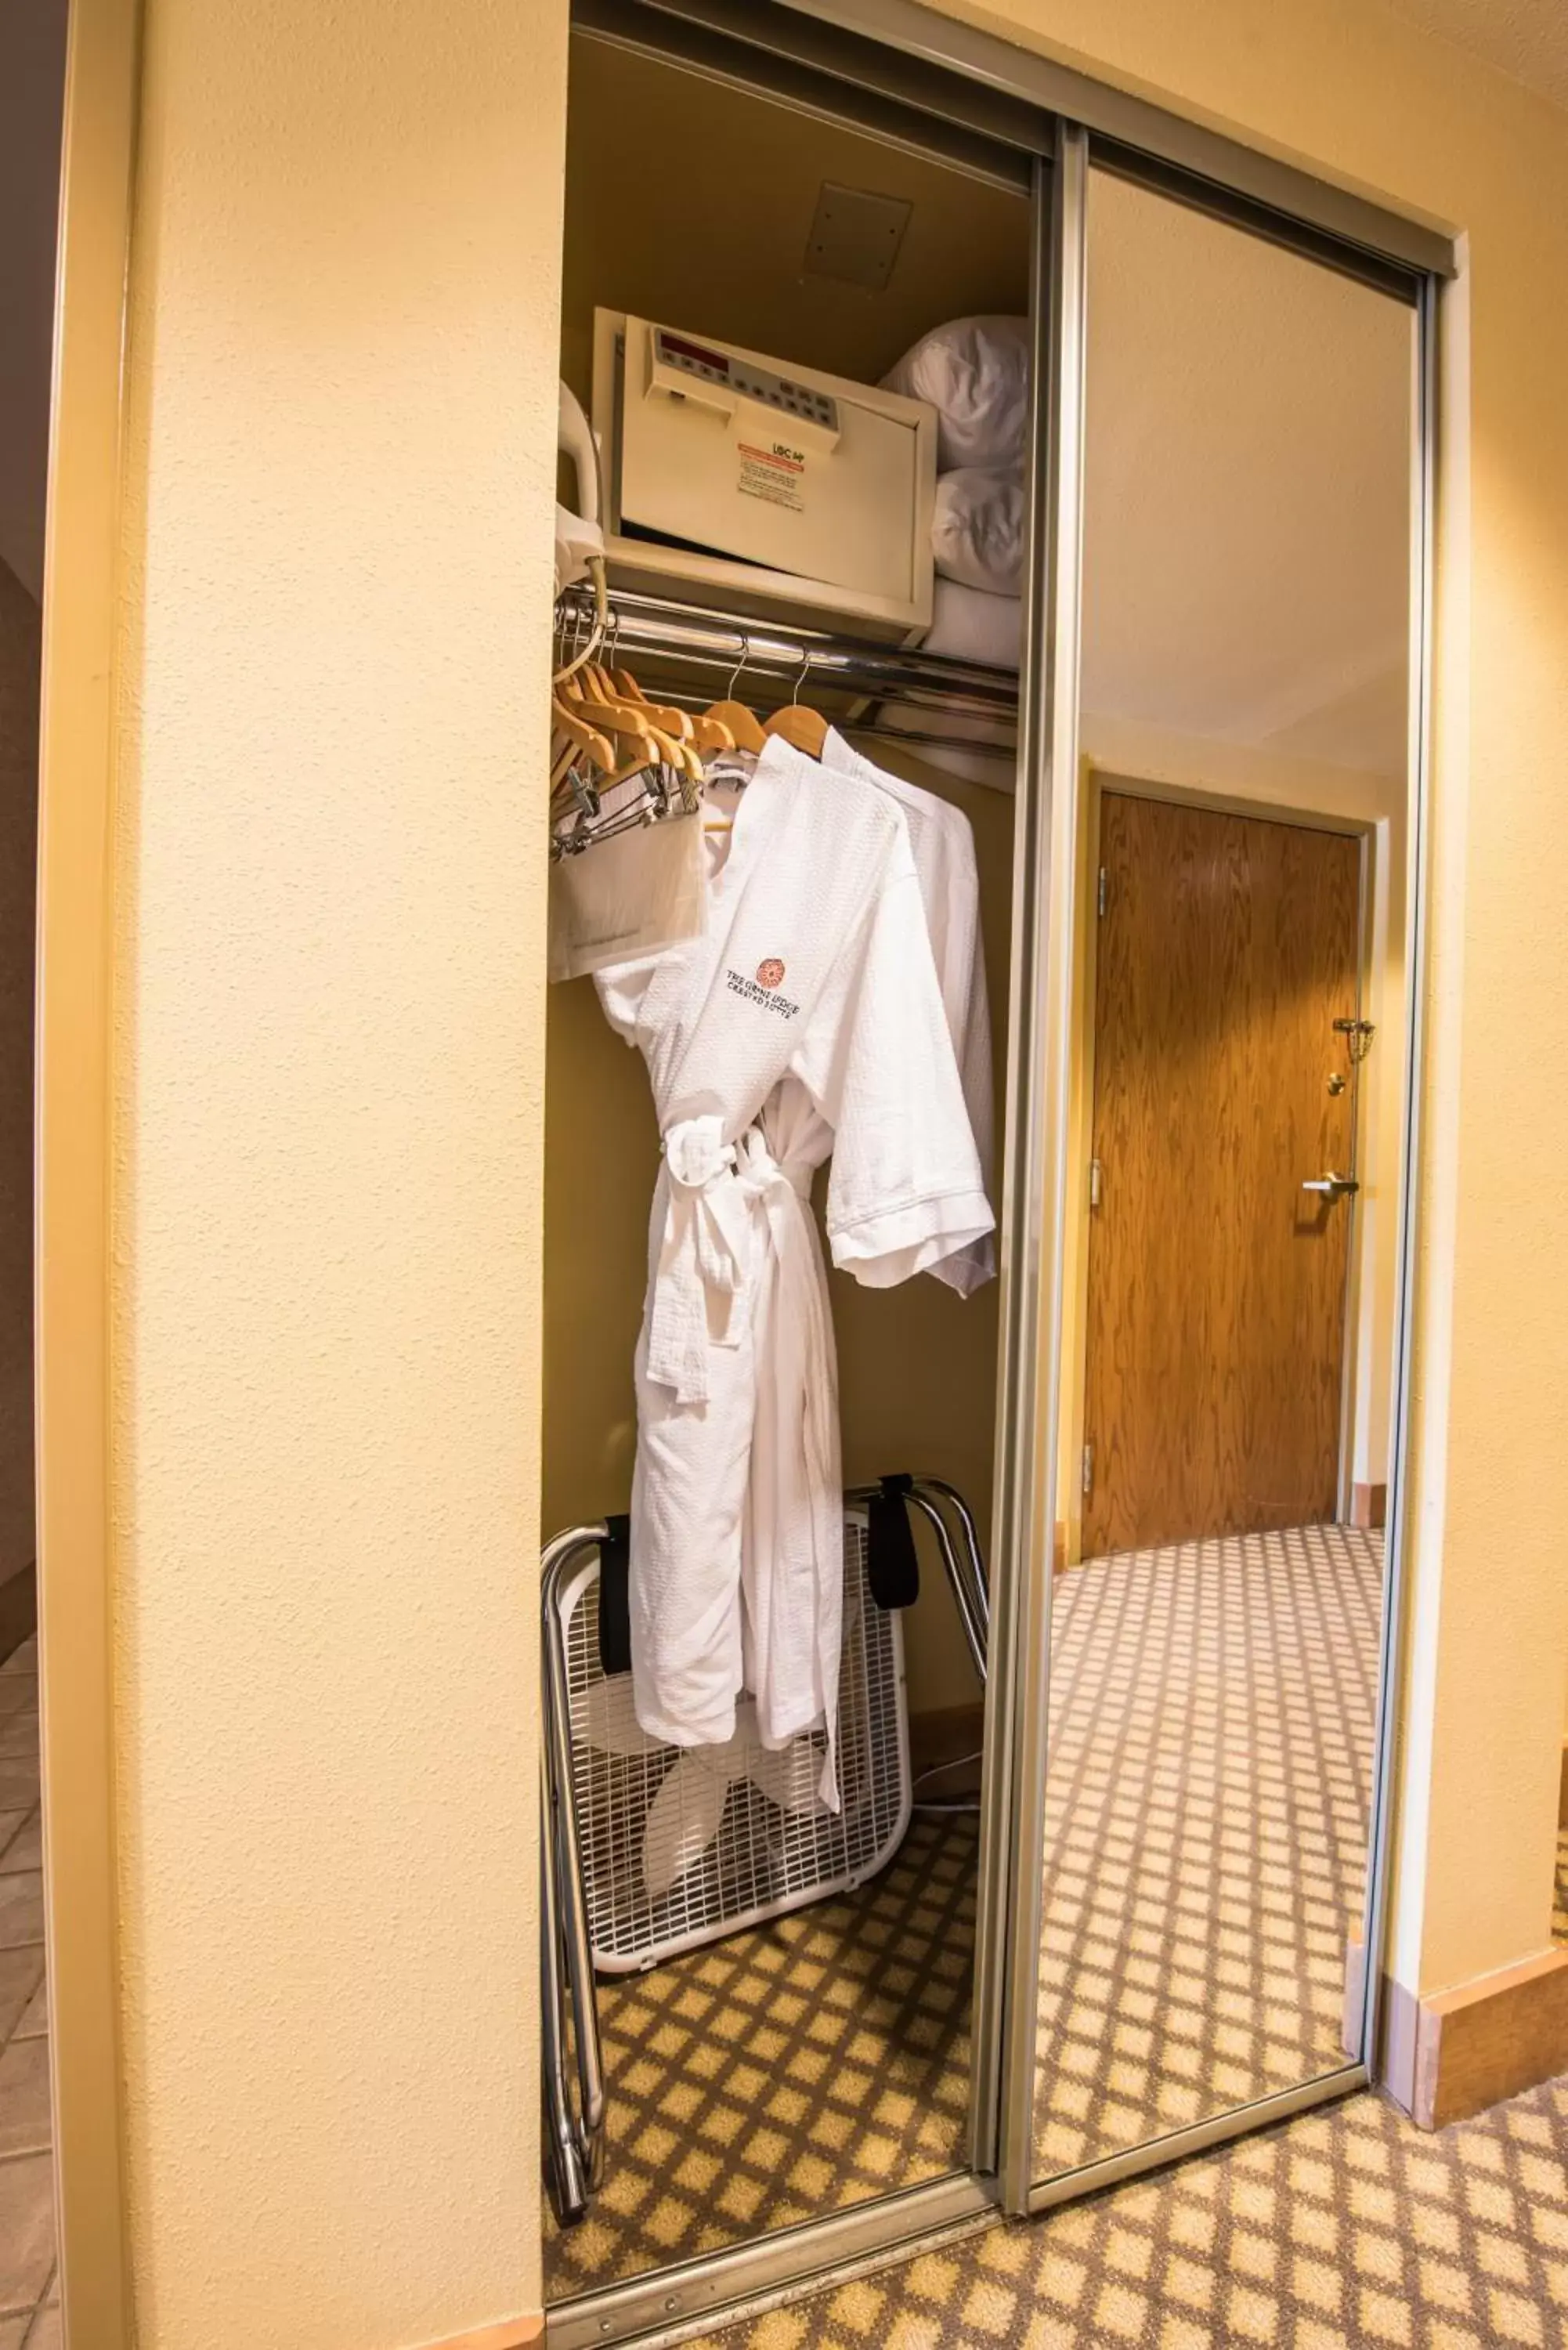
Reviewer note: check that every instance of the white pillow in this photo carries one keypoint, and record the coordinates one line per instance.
(975, 373)
(969, 626)
(977, 529)
(979, 750)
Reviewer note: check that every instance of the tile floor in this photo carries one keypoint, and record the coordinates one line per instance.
(30, 2311)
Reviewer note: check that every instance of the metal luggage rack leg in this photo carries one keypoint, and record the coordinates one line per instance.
(573, 2065)
(574, 2110)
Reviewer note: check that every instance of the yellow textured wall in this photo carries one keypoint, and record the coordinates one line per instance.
(329, 1006)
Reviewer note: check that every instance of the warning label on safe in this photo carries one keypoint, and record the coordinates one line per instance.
(776, 473)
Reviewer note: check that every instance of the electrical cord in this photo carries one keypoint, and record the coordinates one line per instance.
(955, 1807)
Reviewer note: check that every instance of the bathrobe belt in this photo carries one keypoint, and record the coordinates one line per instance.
(708, 1257)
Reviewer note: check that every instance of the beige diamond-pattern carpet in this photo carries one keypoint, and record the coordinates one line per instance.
(819, 2060)
(1341, 2230)
(1211, 1711)
(1211, 1739)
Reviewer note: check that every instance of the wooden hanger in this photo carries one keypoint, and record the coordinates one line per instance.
(642, 745)
(740, 723)
(805, 729)
(711, 733)
(564, 720)
(633, 723)
(592, 687)
(679, 756)
(604, 693)
(616, 718)
(718, 823)
(601, 718)
(668, 720)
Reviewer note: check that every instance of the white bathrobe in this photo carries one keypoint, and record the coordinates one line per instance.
(941, 839)
(807, 1019)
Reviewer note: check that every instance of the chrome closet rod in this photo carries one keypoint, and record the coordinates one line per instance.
(863, 721)
(795, 657)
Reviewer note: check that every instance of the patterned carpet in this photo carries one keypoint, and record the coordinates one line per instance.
(817, 2060)
(1211, 1709)
(1211, 1738)
(1341, 2230)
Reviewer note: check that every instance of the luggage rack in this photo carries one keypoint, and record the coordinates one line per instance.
(871, 1714)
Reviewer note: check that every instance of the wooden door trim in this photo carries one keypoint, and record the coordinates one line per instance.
(1216, 802)
(1350, 1391)
(1094, 783)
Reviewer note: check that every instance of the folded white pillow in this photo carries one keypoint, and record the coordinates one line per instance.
(977, 529)
(975, 373)
(968, 625)
(980, 750)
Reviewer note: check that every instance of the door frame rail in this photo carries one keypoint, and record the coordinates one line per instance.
(714, 2288)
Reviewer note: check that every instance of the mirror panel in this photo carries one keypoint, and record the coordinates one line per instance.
(1235, 1132)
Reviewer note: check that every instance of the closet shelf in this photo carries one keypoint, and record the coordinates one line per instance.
(787, 660)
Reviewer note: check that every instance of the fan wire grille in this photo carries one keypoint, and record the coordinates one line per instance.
(763, 1860)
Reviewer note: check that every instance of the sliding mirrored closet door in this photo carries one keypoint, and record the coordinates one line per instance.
(1236, 1081)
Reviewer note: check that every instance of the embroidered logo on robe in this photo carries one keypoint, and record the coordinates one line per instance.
(763, 989)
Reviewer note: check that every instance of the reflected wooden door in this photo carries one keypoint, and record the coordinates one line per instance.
(1227, 949)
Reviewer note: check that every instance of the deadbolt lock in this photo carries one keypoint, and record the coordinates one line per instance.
(1336, 1081)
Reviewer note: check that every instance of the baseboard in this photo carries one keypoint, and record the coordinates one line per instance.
(1353, 2018)
(1457, 2052)
(1369, 1505)
(518, 2334)
(19, 1609)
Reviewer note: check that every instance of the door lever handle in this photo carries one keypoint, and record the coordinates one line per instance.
(1331, 1186)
